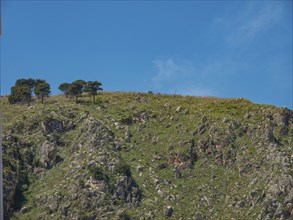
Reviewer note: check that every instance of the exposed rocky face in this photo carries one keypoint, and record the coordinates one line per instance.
(92, 147)
(155, 162)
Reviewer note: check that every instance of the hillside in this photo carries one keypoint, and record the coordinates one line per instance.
(147, 156)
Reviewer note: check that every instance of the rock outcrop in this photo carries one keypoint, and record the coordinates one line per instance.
(146, 156)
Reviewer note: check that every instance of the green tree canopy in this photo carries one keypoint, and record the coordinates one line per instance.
(23, 88)
(30, 83)
(42, 89)
(36, 91)
(76, 88)
(64, 87)
(20, 93)
(92, 87)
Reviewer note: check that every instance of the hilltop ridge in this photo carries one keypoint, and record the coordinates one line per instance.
(147, 156)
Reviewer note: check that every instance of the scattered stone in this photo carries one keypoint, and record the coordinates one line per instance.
(151, 215)
(169, 211)
(170, 147)
(140, 127)
(127, 135)
(168, 125)
(167, 106)
(155, 139)
(289, 197)
(161, 193)
(177, 173)
(178, 109)
(162, 166)
(25, 209)
(121, 215)
(140, 168)
(126, 121)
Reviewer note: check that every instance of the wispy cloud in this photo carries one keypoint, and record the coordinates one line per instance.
(183, 77)
(169, 70)
(253, 22)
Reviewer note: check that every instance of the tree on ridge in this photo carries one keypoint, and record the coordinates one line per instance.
(23, 88)
(92, 88)
(76, 88)
(43, 90)
(64, 87)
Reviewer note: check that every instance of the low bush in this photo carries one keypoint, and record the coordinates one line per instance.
(97, 173)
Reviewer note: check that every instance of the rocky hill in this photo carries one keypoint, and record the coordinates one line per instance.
(147, 156)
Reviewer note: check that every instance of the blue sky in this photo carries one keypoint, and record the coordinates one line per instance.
(203, 48)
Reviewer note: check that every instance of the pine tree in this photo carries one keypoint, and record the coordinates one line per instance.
(92, 88)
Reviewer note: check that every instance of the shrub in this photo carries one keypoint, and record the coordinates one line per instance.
(97, 173)
(122, 168)
(81, 183)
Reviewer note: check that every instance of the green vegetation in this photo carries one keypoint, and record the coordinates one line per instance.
(228, 169)
(20, 93)
(64, 87)
(23, 88)
(92, 88)
(77, 87)
(122, 168)
(97, 173)
(42, 89)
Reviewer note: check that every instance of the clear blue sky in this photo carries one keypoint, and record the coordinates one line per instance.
(204, 48)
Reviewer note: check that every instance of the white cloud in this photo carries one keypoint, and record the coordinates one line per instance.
(247, 27)
(169, 70)
(184, 77)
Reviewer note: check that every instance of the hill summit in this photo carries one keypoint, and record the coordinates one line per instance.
(147, 156)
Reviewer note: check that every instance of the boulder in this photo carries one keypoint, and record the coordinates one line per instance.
(169, 211)
(52, 125)
(47, 154)
(162, 166)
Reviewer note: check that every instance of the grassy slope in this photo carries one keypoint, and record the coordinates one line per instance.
(171, 128)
